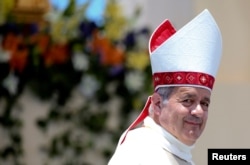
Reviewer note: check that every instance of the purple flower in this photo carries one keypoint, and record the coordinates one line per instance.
(86, 29)
(129, 40)
(116, 71)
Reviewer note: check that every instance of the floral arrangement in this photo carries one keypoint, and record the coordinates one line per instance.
(70, 53)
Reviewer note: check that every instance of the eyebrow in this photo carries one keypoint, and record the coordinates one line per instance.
(207, 99)
(188, 95)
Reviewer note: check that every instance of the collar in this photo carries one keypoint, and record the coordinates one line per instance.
(169, 142)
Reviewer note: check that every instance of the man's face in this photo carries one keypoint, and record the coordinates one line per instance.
(185, 113)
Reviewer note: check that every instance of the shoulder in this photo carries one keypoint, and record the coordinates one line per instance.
(139, 147)
(142, 136)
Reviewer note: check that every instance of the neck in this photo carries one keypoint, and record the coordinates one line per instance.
(169, 142)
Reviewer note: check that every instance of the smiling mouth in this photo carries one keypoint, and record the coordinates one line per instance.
(192, 123)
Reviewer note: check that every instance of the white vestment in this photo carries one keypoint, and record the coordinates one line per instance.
(151, 145)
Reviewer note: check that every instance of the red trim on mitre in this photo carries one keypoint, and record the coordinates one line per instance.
(161, 34)
(183, 78)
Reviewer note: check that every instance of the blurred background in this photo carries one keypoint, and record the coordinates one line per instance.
(75, 73)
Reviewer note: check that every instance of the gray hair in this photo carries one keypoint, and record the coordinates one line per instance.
(164, 92)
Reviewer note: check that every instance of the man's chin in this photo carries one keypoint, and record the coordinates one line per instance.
(191, 137)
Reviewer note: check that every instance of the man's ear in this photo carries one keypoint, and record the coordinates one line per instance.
(157, 103)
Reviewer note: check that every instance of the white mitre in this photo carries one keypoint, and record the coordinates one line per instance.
(187, 57)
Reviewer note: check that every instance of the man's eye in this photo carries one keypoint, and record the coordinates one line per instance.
(205, 104)
(187, 101)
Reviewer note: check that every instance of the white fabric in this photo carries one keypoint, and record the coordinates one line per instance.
(196, 47)
(147, 145)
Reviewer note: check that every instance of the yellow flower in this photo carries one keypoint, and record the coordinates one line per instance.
(57, 31)
(5, 8)
(64, 28)
(113, 9)
(115, 21)
(114, 29)
(137, 60)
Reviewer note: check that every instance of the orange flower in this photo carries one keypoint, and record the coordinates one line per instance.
(110, 54)
(11, 42)
(95, 43)
(18, 59)
(56, 54)
(41, 41)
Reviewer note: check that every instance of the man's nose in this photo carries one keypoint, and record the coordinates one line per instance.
(197, 111)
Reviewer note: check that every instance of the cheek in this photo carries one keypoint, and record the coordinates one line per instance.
(169, 117)
(205, 117)
(164, 117)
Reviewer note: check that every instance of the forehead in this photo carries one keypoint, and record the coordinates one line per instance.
(192, 91)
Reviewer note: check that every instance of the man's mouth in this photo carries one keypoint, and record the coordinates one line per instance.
(193, 123)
